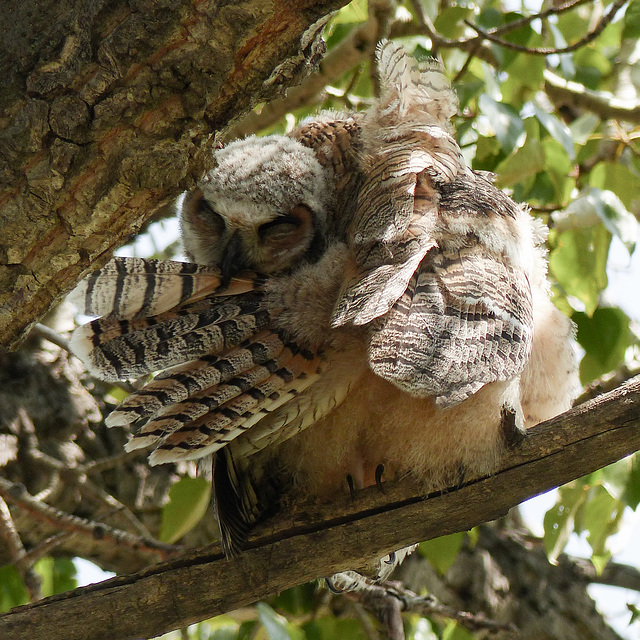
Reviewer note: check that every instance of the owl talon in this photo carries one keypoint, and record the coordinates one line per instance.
(379, 472)
(462, 475)
(512, 433)
(392, 558)
(352, 486)
(332, 587)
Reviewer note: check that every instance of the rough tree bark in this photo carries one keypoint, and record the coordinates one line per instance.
(108, 110)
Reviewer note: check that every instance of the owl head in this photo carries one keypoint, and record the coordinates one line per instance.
(263, 207)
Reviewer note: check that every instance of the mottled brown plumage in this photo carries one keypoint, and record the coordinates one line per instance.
(402, 311)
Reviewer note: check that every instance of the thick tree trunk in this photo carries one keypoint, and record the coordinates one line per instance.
(108, 110)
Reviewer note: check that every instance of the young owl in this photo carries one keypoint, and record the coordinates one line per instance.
(363, 301)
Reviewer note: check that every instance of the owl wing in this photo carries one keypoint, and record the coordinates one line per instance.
(140, 287)
(224, 363)
(465, 319)
(407, 153)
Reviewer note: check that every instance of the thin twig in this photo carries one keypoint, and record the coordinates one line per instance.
(98, 531)
(522, 22)
(49, 544)
(52, 336)
(365, 621)
(18, 553)
(94, 493)
(429, 606)
(545, 51)
(377, 598)
(110, 462)
(465, 66)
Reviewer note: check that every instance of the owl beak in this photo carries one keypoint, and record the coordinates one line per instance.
(233, 259)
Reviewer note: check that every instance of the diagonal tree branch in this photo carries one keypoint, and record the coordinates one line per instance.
(109, 111)
(316, 540)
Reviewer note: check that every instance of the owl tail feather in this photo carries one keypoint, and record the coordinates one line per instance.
(241, 500)
(217, 416)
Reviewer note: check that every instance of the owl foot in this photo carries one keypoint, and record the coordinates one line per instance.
(512, 433)
(356, 581)
(352, 491)
(379, 472)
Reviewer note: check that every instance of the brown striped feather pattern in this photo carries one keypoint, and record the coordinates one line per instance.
(362, 298)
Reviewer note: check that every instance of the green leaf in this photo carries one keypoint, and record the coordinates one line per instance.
(450, 21)
(631, 20)
(247, 630)
(297, 600)
(601, 518)
(453, 631)
(356, 11)
(490, 18)
(631, 494)
(116, 395)
(441, 552)
(487, 152)
(591, 66)
(556, 129)
(616, 177)
(468, 90)
(526, 161)
(220, 628)
(606, 206)
(635, 612)
(615, 477)
(58, 575)
(526, 73)
(332, 628)
(12, 591)
(275, 625)
(505, 121)
(600, 561)
(615, 216)
(559, 168)
(559, 520)
(188, 502)
(605, 337)
(583, 127)
(579, 263)
(566, 59)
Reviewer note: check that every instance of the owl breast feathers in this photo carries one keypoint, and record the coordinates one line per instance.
(358, 299)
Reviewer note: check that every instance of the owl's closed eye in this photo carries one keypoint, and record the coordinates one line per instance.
(263, 207)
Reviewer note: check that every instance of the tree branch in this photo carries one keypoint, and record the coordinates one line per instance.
(202, 583)
(615, 574)
(108, 111)
(17, 494)
(603, 103)
(546, 51)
